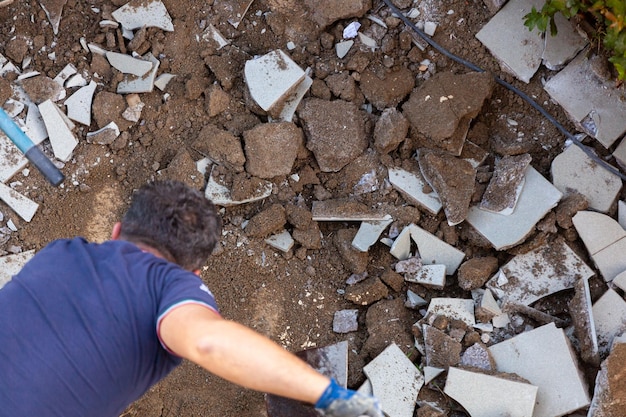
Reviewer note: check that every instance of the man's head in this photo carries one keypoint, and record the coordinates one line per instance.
(178, 221)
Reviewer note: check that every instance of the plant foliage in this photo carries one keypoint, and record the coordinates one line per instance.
(610, 16)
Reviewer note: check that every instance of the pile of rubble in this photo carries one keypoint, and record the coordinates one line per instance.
(401, 131)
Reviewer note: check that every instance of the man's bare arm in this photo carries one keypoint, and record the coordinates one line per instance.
(239, 354)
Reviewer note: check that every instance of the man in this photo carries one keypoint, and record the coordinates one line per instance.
(86, 329)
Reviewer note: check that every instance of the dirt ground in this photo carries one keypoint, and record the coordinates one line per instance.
(289, 297)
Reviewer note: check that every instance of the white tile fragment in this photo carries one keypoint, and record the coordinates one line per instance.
(369, 232)
(76, 80)
(12, 264)
(79, 104)
(597, 230)
(573, 170)
(61, 137)
(13, 107)
(611, 260)
(538, 273)
(430, 28)
(490, 396)
(433, 250)
(281, 241)
(544, 357)
(453, 308)
(489, 303)
(431, 372)
(96, 49)
(342, 48)
(395, 380)
(271, 78)
(23, 206)
(351, 30)
(412, 186)
(292, 101)
(620, 281)
(34, 126)
(139, 13)
(346, 321)
(621, 213)
(609, 316)
(595, 105)
(145, 84)
(221, 196)
(429, 275)
(163, 80)
(560, 49)
(65, 73)
(11, 159)
(413, 300)
(127, 64)
(211, 33)
(537, 198)
(367, 41)
(105, 135)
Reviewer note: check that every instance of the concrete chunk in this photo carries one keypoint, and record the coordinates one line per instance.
(61, 137)
(573, 170)
(22, 205)
(412, 185)
(141, 13)
(12, 264)
(490, 396)
(538, 196)
(506, 184)
(609, 316)
(395, 381)
(544, 357)
(610, 392)
(79, 104)
(538, 273)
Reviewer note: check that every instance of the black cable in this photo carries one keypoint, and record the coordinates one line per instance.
(589, 152)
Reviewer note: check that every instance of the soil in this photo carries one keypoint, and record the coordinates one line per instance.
(290, 297)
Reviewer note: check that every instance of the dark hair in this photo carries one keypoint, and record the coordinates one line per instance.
(175, 219)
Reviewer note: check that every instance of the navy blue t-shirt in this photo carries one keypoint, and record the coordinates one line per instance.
(79, 328)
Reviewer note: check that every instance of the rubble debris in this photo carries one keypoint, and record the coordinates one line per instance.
(412, 186)
(61, 137)
(211, 33)
(104, 136)
(414, 301)
(475, 272)
(344, 210)
(270, 220)
(543, 271)
(581, 312)
(369, 232)
(594, 104)
(573, 170)
(477, 356)
(346, 321)
(538, 196)
(143, 13)
(12, 264)
(53, 9)
(135, 106)
(441, 350)
(271, 149)
(537, 315)
(41, 88)
(23, 206)
(506, 184)
(544, 357)
(354, 260)
(220, 146)
(386, 322)
(367, 292)
(609, 392)
(389, 90)
(442, 107)
(490, 396)
(604, 239)
(79, 104)
(429, 275)
(390, 130)
(453, 308)
(222, 196)
(453, 181)
(142, 84)
(335, 132)
(239, 12)
(395, 381)
(281, 241)
(519, 50)
(609, 317)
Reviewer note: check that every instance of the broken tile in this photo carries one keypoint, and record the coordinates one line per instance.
(344, 210)
(594, 104)
(281, 241)
(560, 49)
(610, 260)
(34, 126)
(489, 303)
(620, 281)
(346, 321)
(162, 80)
(221, 195)
(12, 160)
(79, 104)
(506, 184)
(433, 250)
(538, 196)
(22, 205)
(239, 10)
(621, 213)
(144, 13)
(544, 357)
(271, 78)
(61, 137)
(65, 73)
(609, 316)
(104, 136)
(490, 396)
(453, 308)
(12, 264)
(574, 170)
(127, 64)
(211, 33)
(401, 246)
(431, 372)
(53, 9)
(76, 80)
(543, 271)
(581, 312)
(292, 101)
(412, 185)
(597, 230)
(413, 300)
(369, 232)
(395, 381)
(473, 154)
(144, 84)
(342, 48)
(429, 275)
(42, 88)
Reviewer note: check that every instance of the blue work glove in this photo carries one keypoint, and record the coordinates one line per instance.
(337, 401)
